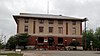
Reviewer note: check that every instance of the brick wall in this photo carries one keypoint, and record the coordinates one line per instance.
(66, 40)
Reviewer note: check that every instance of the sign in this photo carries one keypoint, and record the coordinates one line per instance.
(45, 40)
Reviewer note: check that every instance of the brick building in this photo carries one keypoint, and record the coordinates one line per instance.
(49, 31)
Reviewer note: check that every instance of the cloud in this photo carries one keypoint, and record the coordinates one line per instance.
(10, 7)
(79, 8)
(7, 24)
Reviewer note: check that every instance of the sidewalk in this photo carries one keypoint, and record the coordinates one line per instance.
(32, 54)
(28, 54)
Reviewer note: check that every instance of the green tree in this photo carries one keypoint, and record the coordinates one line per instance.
(97, 33)
(11, 43)
(22, 39)
(0, 44)
(90, 36)
(17, 40)
(97, 36)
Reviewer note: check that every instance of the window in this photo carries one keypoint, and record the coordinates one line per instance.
(50, 29)
(73, 22)
(41, 29)
(60, 30)
(60, 22)
(41, 21)
(26, 20)
(51, 21)
(74, 30)
(25, 28)
(66, 28)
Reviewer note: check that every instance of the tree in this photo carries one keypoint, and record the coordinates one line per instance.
(97, 36)
(18, 40)
(0, 44)
(97, 33)
(11, 44)
(22, 39)
(90, 36)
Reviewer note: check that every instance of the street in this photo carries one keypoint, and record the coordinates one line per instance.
(61, 53)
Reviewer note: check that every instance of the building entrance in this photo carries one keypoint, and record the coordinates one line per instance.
(40, 39)
(50, 41)
(60, 40)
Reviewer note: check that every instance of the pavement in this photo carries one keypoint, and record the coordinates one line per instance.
(57, 53)
(61, 53)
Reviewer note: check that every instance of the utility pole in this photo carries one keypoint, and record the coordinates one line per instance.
(85, 33)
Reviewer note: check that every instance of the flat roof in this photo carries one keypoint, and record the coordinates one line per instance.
(47, 16)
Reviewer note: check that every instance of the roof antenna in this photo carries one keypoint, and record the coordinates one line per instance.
(47, 6)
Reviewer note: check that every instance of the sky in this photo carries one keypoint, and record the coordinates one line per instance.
(76, 8)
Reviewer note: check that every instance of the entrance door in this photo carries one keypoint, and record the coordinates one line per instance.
(50, 41)
(40, 39)
(60, 40)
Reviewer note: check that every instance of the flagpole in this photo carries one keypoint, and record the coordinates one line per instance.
(47, 6)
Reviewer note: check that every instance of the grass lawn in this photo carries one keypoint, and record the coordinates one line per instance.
(11, 54)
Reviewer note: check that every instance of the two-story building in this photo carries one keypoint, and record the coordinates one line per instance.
(49, 31)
